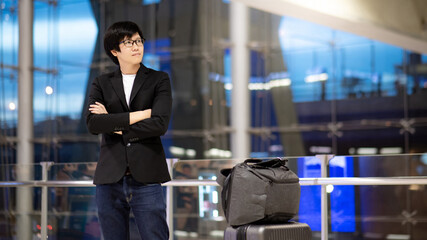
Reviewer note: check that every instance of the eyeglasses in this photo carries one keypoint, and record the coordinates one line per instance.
(129, 43)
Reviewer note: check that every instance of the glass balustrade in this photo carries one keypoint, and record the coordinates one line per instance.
(363, 210)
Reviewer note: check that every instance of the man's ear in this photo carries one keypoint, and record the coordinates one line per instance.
(114, 52)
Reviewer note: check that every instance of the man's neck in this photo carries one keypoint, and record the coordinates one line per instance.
(129, 69)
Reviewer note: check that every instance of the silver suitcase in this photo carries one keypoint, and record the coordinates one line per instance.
(285, 231)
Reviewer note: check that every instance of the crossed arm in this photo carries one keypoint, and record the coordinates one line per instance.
(133, 126)
(134, 117)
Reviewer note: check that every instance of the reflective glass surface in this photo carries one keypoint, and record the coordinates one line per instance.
(313, 90)
(354, 211)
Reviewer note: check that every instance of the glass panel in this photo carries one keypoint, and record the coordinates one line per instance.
(309, 208)
(10, 172)
(13, 218)
(355, 211)
(416, 136)
(28, 198)
(72, 171)
(378, 212)
(373, 137)
(377, 165)
(414, 125)
(303, 108)
(73, 213)
(72, 210)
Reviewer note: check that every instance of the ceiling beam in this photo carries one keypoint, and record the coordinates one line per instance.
(356, 23)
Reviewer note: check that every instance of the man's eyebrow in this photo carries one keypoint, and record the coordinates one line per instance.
(125, 39)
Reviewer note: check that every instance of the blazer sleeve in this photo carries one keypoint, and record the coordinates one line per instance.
(161, 109)
(104, 123)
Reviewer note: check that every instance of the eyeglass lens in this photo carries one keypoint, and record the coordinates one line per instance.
(129, 43)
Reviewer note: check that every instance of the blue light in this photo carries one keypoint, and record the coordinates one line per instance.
(343, 197)
(151, 61)
(75, 46)
(424, 159)
(310, 49)
(342, 208)
(309, 210)
(148, 2)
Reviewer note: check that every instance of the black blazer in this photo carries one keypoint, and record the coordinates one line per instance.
(139, 148)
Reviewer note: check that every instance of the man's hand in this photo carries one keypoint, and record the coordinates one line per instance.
(137, 116)
(134, 117)
(97, 108)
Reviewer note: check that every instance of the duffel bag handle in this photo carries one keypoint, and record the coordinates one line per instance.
(272, 163)
(223, 174)
(252, 160)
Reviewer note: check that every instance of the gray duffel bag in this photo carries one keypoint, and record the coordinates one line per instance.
(257, 191)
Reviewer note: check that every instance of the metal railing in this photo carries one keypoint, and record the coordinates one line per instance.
(323, 181)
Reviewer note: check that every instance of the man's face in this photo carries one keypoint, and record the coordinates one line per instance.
(70, 167)
(131, 50)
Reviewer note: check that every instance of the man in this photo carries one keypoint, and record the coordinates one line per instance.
(131, 108)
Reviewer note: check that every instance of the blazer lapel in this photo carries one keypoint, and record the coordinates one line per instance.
(117, 83)
(139, 81)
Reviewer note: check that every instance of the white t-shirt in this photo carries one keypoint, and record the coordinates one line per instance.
(128, 80)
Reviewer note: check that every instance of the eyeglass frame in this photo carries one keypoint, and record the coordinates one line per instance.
(133, 42)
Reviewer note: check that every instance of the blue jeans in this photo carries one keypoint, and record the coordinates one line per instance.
(147, 203)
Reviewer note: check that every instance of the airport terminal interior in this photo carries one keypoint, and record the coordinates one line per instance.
(305, 80)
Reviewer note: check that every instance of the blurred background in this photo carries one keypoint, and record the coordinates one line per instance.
(323, 77)
(312, 89)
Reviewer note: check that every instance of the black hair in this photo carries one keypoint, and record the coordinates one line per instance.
(116, 33)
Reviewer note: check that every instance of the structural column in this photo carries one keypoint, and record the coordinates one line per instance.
(240, 103)
(25, 150)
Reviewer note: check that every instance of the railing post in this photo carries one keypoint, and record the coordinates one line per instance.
(324, 164)
(44, 203)
(169, 198)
